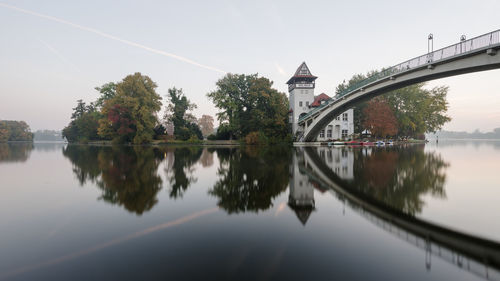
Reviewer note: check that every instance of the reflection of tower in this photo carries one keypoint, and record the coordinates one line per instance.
(301, 197)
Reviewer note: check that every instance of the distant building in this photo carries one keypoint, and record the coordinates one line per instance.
(302, 100)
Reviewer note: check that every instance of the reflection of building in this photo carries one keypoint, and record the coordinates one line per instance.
(339, 159)
(301, 197)
(302, 100)
(302, 183)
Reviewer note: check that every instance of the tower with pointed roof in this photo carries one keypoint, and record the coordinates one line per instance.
(301, 93)
(302, 100)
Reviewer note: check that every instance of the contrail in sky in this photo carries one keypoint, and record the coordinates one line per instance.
(109, 36)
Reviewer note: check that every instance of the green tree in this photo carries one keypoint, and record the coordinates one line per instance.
(419, 110)
(266, 110)
(177, 113)
(108, 91)
(249, 104)
(84, 123)
(130, 115)
(231, 97)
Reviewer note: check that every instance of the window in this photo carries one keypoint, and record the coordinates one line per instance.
(344, 134)
(307, 103)
(344, 116)
(300, 103)
(329, 134)
(338, 117)
(322, 133)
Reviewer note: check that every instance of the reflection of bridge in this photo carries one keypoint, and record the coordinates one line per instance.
(477, 54)
(478, 256)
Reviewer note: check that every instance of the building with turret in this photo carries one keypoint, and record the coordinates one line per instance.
(302, 100)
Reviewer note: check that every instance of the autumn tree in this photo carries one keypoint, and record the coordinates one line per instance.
(130, 114)
(15, 131)
(418, 110)
(379, 118)
(206, 123)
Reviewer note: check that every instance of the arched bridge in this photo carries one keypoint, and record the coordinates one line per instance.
(473, 55)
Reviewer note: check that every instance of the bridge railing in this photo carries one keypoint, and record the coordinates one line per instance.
(458, 49)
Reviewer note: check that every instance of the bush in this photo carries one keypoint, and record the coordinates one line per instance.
(256, 138)
(212, 137)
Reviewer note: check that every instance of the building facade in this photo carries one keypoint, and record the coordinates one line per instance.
(302, 100)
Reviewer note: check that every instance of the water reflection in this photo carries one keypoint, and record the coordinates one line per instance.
(250, 177)
(399, 176)
(127, 176)
(15, 152)
(476, 255)
(179, 169)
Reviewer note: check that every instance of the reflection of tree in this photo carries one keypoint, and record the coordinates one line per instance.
(207, 158)
(399, 176)
(180, 169)
(15, 152)
(250, 178)
(127, 175)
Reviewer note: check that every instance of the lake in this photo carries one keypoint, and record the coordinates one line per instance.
(412, 212)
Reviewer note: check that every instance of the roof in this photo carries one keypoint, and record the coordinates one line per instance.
(318, 99)
(302, 72)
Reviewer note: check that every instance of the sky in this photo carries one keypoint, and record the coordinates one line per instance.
(54, 52)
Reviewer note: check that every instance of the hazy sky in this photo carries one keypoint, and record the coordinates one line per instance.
(55, 52)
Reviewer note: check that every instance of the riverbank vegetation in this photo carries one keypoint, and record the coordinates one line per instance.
(127, 112)
(15, 131)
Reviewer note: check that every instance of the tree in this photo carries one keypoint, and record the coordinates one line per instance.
(15, 131)
(206, 123)
(379, 118)
(248, 104)
(84, 123)
(417, 109)
(108, 91)
(266, 110)
(130, 115)
(177, 113)
(230, 98)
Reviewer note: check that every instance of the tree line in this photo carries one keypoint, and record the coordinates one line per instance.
(15, 131)
(127, 112)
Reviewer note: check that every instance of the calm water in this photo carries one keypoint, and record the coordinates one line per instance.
(70, 212)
